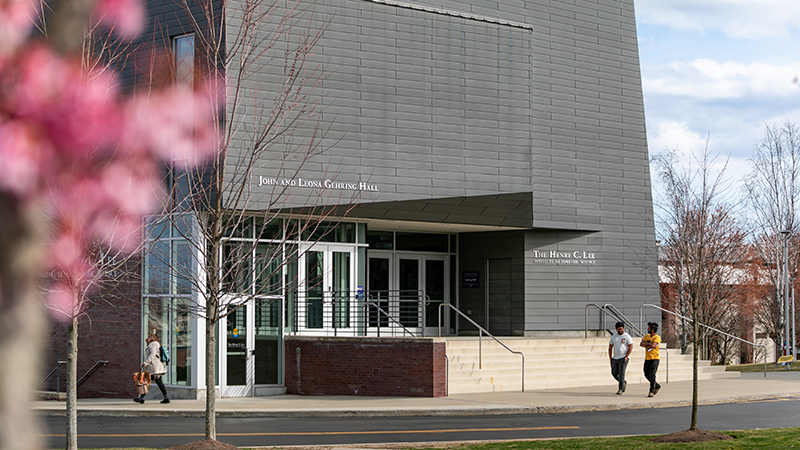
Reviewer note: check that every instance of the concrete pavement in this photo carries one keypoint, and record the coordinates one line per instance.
(749, 387)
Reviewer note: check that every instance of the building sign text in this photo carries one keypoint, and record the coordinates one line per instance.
(318, 184)
(558, 258)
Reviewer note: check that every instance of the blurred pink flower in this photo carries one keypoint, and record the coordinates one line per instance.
(177, 126)
(21, 152)
(78, 113)
(90, 158)
(130, 186)
(16, 18)
(61, 302)
(125, 16)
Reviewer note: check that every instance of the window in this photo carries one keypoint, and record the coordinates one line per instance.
(183, 50)
(168, 270)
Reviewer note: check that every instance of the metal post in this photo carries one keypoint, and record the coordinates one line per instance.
(480, 349)
(786, 315)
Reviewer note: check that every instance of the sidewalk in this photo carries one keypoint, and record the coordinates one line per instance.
(749, 387)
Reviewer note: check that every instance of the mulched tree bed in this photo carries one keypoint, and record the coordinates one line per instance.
(206, 444)
(692, 436)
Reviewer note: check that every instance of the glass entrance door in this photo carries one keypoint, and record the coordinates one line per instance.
(237, 368)
(326, 294)
(250, 347)
(409, 287)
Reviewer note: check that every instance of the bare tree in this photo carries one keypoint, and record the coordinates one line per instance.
(111, 269)
(773, 192)
(235, 224)
(701, 241)
(101, 52)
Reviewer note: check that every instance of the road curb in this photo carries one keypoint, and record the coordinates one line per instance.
(412, 412)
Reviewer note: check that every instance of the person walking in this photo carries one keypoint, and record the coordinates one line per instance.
(620, 347)
(650, 342)
(152, 363)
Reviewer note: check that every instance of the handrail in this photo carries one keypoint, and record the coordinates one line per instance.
(447, 376)
(368, 303)
(604, 309)
(710, 328)
(625, 319)
(90, 372)
(481, 330)
(58, 365)
(621, 317)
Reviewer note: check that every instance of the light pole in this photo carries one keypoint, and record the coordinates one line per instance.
(786, 309)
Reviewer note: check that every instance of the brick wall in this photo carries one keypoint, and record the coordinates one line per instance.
(110, 331)
(363, 366)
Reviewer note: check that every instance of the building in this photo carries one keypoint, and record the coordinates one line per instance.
(487, 155)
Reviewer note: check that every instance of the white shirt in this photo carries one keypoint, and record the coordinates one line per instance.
(621, 343)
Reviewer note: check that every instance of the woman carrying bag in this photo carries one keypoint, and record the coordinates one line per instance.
(152, 364)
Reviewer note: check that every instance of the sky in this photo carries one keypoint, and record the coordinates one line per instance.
(717, 70)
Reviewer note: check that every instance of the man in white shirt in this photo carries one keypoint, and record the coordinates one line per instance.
(620, 347)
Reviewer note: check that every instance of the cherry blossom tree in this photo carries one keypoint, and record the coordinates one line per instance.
(81, 163)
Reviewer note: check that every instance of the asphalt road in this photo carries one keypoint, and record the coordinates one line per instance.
(165, 432)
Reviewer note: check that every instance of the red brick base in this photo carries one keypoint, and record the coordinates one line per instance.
(401, 367)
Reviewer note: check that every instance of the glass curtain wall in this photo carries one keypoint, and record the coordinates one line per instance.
(168, 270)
(259, 267)
(253, 255)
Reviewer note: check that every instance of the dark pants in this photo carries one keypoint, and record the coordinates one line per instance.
(650, 369)
(618, 367)
(161, 387)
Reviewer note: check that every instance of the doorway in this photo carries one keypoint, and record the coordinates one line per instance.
(408, 287)
(251, 347)
(326, 298)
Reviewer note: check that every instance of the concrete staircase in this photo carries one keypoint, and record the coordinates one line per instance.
(552, 363)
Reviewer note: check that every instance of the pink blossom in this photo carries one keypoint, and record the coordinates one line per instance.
(122, 232)
(177, 126)
(125, 16)
(71, 142)
(16, 18)
(78, 113)
(130, 186)
(61, 302)
(21, 152)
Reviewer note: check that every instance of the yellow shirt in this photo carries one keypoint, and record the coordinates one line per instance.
(651, 353)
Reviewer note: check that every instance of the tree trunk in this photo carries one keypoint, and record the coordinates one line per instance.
(211, 382)
(72, 385)
(21, 325)
(695, 357)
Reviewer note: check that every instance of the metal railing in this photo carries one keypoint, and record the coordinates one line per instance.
(58, 378)
(90, 372)
(764, 347)
(371, 308)
(359, 313)
(481, 331)
(80, 380)
(610, 310)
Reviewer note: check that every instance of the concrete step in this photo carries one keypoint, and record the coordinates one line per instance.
(554, 363)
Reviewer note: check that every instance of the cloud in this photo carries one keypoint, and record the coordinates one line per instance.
(672, 135)
(737, 19)
(688, 146)
(708, 79)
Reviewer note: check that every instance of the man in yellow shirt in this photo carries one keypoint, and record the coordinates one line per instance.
(650, 343)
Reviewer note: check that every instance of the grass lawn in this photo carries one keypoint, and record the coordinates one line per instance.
(771, 367)
(776, 438)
